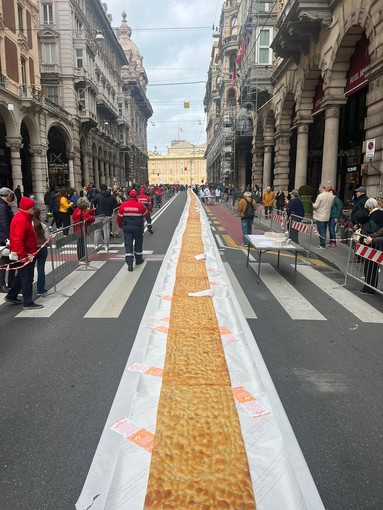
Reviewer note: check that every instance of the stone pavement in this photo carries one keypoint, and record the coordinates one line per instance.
(227, 215)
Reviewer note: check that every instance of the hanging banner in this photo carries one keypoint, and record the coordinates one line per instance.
(359, 63)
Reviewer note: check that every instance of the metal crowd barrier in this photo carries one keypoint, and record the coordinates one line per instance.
(365, 265)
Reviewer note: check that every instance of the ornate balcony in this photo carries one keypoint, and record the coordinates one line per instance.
(299, 25)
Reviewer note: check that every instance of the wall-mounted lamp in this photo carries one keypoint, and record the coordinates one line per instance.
(10, 107)
(216, 34)
(106, 123)
(99, 37)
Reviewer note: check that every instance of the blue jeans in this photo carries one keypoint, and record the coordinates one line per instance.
(247, 226)
(331, 229)
(322, 229)
(41, 257)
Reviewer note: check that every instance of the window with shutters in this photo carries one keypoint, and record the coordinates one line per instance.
(23, 73)
(52, 93)
(20, 16)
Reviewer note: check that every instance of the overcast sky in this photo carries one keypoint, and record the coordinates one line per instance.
(175, 50)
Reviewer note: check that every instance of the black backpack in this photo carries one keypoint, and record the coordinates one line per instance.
(249, 210)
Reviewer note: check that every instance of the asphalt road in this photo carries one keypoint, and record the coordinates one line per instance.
(59, 375)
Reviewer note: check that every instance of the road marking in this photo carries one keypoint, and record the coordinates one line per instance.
(287, 295)
(362, 310)
(219, 240)
(245, 305)
(64, 290)
(229, 241)
(113, 299)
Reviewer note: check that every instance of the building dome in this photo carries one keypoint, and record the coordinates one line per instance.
(130, 49)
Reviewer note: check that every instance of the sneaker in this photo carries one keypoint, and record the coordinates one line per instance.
(4, 289)
(321, 247)
(130, 267)
(332, 245)
(14, 301)
(139, 262)
(367, 290)
(43, 293)
(32, 306)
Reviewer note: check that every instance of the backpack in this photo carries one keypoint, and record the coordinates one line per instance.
(258, 197)
(249, 210)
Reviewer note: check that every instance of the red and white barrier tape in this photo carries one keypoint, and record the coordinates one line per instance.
(369, 253)
(301, 227)
(27, 260)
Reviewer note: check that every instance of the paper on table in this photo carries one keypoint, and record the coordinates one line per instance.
(145, 369)
(201, 256)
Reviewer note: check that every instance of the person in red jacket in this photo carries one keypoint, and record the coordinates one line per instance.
(82, 213)
(130, 218)
(23, 244)
(144, 199)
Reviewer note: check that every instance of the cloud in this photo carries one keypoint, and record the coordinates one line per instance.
(172, 56)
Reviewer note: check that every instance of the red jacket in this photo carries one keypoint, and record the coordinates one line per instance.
(82, 215)
(144, 199)
(22, 235)
(131, 213)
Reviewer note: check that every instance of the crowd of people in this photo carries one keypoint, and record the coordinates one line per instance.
(24, 235)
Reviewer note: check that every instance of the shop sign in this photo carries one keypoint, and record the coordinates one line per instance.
(370, 148)
(359, 64)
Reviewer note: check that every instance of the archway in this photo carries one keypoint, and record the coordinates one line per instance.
(5, 157)
(58, 165)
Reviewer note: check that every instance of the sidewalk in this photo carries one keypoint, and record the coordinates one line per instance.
(228, 216)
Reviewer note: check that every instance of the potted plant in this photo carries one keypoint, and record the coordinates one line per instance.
(305, 193)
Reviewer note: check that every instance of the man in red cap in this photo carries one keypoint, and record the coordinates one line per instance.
(130, 218)
(22, 245)
(144, 199)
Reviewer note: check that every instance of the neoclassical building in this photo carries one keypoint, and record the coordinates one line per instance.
(324, 120)
(73, 106)
(184, 163)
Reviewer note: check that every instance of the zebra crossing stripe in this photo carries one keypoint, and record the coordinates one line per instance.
(287, 295)
(64, 290)
(362, 310)
(112, 301)
(246, 307)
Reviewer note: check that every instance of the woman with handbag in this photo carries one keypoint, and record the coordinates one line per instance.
(65, 209)
(82, 214)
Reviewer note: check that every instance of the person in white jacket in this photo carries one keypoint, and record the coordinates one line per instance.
(321, 213)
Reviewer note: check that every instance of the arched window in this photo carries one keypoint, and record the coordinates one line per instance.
(231, 99)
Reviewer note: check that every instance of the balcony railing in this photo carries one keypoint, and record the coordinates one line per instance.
(50, 68)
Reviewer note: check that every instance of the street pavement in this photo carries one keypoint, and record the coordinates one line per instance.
(321, 342)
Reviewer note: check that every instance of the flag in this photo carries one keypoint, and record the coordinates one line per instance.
(186, 104)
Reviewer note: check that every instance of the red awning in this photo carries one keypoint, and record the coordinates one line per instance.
(359, 63)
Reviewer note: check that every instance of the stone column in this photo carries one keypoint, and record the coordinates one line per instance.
(282, 160)
(101, 168)
(330, 145)
(71, 172)
(86, 164)
(14, 144)
(256, 177)
(302, 153)
(267, 166)
(39, 171)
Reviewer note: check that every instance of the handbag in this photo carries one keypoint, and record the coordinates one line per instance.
(356, 235)
(70, 210)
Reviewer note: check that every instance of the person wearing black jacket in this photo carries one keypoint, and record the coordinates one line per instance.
(105, 203)
(6, 215)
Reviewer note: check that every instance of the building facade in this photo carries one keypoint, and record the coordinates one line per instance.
(67, 114)
(184, 164)
(323, 122)
(239, 83)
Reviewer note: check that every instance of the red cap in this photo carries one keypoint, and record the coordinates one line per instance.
(142, 190)
(26, 203)
(133, 193)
